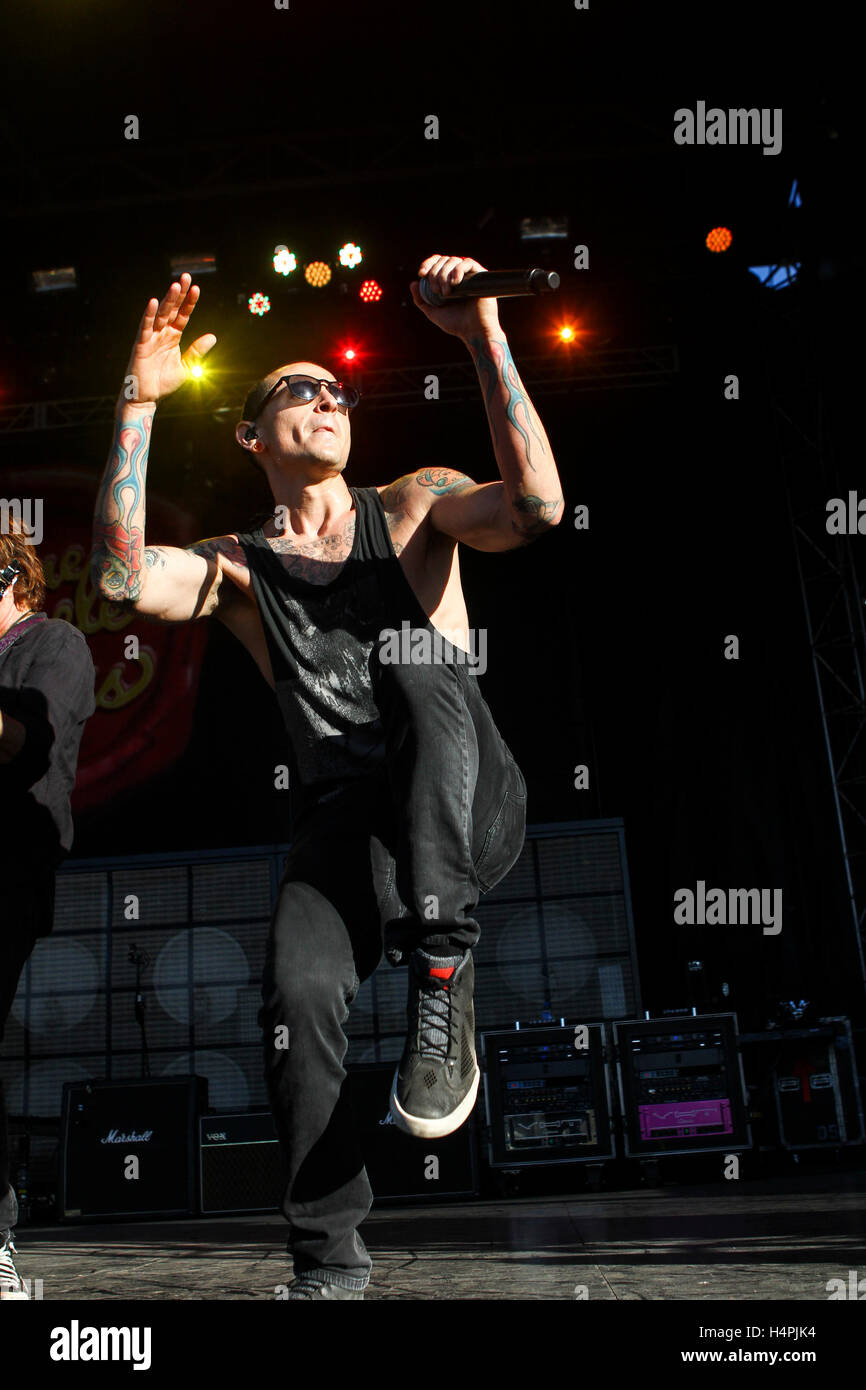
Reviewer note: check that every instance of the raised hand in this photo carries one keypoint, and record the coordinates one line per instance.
(464, 318)
(156, 364)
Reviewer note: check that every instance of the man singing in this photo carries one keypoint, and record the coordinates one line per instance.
(406, 802)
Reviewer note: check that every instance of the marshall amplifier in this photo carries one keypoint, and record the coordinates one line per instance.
(401, 1168)
(547, 1093)
(127, 1148)
(241, 1164)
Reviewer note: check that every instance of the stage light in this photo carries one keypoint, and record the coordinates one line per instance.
(370, 292)
(63, 278)
(197, 370)
(317, 274)
(349, 355)
(567, 333)
(193, 263)
(285, 261)
(543, 228)
(776, 277)
(350, 255)
(719, 239)
(259, 304)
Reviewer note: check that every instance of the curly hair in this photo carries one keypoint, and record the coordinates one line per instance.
(30, 584)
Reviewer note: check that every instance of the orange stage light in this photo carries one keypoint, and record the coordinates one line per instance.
(719, 239)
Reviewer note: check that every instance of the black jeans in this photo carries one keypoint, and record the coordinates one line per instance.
(390, 862)
(26, 914)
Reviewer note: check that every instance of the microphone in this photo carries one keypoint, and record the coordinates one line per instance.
(493, 284)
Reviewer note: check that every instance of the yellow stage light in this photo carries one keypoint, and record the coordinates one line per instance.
(317, 274)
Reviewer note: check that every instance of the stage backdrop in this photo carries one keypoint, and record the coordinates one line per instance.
(144, 704)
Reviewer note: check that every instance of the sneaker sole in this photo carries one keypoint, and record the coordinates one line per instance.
(423, 1128)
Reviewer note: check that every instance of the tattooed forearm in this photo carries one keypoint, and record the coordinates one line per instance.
(496, 366)
(118, 520)
(535, 515)
(523, 453)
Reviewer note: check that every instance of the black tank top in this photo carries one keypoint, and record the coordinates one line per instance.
(323, 641)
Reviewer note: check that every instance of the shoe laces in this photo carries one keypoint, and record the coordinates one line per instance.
(305, 1288)
(437, 1025)
(10, 1280)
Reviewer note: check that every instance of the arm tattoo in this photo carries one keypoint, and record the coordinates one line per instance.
(393, 502)
(538, 514)
(231, 550)
(442, 480)
(394, 519)
(117, 543)
(393, 496)
(438, 482)
(495, 364)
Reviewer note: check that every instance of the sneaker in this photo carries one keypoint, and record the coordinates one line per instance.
(11, 1284)
(307, 1287)
(436, 1083)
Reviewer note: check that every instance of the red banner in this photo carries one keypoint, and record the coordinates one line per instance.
(144, 700)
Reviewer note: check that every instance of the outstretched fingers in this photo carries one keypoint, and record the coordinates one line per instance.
(181, 318)
(145, 328)
(176, 294)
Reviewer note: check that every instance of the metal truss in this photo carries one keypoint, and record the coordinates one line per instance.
(96, 178)
(385, 389)
(833, 600)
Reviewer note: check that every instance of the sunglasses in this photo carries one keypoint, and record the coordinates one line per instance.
(307, 388)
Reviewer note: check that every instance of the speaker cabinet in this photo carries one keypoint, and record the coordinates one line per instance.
(401, 1168)
(241, 1165)
(127, 1148)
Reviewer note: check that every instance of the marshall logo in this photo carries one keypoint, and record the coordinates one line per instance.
(114, 1136)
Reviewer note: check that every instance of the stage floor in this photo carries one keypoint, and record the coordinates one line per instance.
(768, 1239)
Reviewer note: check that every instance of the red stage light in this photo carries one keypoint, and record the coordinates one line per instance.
(719, 239)
(370, 292)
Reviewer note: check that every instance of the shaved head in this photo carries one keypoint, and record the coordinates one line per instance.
(292, 434)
